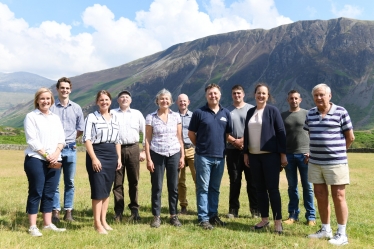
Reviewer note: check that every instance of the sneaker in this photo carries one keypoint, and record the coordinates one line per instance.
(215, 220)
(321, 234)
(175, 221)
(290, 221)
(232, 214)
(34, 231)
(206, 225)
(311, 223)
(134, 217)
(156, 222)
(183, 211)
(339, 240)
(54, 228)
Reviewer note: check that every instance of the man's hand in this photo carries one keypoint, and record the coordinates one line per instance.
(142, 156)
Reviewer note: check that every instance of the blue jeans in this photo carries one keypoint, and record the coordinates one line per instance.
(69, 162)
(42, 185)
(296, 161)
(209, 171)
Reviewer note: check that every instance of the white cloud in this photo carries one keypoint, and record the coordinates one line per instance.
(52, 51)
(348, 10)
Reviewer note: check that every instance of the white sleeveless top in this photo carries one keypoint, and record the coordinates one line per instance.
(254, 132)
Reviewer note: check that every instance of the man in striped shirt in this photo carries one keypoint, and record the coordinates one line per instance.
(331, 133)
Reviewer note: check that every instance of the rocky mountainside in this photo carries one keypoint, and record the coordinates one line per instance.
(339, 52)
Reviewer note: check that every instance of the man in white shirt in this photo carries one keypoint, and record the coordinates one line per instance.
(131, 123)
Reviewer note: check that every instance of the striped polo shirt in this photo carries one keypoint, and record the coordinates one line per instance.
(327, 140)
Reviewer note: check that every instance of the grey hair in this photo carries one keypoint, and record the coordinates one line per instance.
(164, 92)
(322, 85)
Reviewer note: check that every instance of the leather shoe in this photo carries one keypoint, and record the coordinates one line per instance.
(311, 223)
(260, 227)
(55, 216)
(118, 218)
(289, 221)
(68, 216)
(183, 211)
(134, 217)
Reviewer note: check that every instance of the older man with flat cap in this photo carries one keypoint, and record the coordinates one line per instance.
(131, 124)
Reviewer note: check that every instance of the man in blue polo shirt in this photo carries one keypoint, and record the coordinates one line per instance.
(208, 130)
(72, 119)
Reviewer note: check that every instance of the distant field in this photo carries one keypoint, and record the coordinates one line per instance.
(10, 100)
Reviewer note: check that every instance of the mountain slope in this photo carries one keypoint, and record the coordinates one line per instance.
(339, 52)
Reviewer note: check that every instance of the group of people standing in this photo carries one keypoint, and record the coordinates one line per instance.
(257, 140)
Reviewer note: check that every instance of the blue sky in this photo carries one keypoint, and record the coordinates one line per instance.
(68, 38)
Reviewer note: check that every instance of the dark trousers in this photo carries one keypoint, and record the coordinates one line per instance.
(130, 164)
(266, 169)
(171, 165)
(235, 168)
(43, 183)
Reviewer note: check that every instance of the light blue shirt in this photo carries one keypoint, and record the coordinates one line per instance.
(71, 117)
(186, 119)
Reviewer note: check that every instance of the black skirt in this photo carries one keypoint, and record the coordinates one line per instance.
(101, 182)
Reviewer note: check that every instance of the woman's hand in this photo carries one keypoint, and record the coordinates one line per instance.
(96, 165)
(150, 166)
(246, 160)
(53, 158)
(119, 164)
(284, 162)
(181, 163)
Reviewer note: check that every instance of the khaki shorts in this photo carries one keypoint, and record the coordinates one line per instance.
(335, 174)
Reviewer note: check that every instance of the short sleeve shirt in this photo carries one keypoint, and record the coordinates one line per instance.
(164, 138)
(327, 140)
(211, 129)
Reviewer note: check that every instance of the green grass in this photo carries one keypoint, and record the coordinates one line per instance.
(237, 234)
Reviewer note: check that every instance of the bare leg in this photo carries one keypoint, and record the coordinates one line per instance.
(321, 193)
(96, 209)
(47, 219)
(263, 222)
(340, 204)
(32, 219)
(104, 210)
(278, 225)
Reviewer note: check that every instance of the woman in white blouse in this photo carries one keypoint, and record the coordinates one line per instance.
(45, 138)
(103, 157)
(164, 151)
(265, 152)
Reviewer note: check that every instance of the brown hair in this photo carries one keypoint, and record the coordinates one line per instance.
(272, 100)
(237, 87)
(63, 79)
(39, 92)
(212, 85)
(101, 92)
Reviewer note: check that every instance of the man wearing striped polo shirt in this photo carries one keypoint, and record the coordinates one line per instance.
(331, 133)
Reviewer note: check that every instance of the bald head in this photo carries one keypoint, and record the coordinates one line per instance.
(183, 103)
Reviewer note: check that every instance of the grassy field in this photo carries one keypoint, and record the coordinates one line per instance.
(237, 234)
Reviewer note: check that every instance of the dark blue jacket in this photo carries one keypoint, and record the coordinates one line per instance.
(273, 135)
